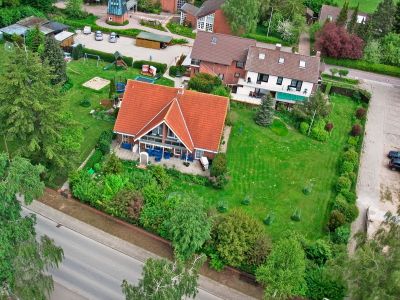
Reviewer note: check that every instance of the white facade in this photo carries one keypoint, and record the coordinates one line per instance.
(206, 23)
(250, 84)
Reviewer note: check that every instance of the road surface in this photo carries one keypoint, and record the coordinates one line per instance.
(90, 269)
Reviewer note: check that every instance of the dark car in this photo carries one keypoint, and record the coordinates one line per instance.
(394, 154)
(394, 164)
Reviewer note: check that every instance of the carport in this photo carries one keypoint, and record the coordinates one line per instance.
(152, 40)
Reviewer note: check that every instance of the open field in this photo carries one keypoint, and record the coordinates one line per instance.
(367, 6)
(272, 166)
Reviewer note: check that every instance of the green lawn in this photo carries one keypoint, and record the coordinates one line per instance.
(272, 166)
(367, 6)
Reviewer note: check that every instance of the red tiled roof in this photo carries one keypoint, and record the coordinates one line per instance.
(196, 118)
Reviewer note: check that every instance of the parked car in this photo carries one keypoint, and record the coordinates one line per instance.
(394, 154)
(394, 164)
(87, 30)
(113, 37)
(98, 36)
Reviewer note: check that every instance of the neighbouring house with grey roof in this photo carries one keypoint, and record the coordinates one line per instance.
(209, 17)
(331, 13)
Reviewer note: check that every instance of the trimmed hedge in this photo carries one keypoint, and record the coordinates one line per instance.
(161, 68)
(364, 66)
(265, 39)
(107, 57)
(96, 157)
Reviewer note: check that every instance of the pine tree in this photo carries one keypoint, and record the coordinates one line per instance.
(265, 114)
(342, 18)
(112, 91)
(35, 40)
(54, 57)
(396, 25)
(383, 18)
(351, 27)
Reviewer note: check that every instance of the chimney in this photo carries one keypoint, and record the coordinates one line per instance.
(278, 47)
(318, 54)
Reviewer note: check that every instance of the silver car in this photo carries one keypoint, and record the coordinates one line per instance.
(113, 37)
(98, 36)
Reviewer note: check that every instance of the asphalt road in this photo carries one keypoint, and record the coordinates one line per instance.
(90, 269)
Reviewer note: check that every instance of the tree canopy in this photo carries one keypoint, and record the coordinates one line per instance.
(342, 17)
(243, 15)
(317, 106)
(383, 18)
(54, 57)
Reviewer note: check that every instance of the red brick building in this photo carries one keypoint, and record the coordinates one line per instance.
(172, 6)
(117, 10)
(209, 17)
(220, 55)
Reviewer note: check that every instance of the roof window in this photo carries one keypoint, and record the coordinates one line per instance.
(302, 64)
(214, 40)
(281, 60)
(261, 56)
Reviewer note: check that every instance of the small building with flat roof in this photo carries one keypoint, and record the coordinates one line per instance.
(152, 40)
(65, 38)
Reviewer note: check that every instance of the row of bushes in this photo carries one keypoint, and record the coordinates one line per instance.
(177, 71)
(343, 209)
(364, 66)
(10, 15)
(265, 39)
(108, 57)
(181, 30)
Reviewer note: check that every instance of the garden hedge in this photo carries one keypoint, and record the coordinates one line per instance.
(107, 57)
(364, 66)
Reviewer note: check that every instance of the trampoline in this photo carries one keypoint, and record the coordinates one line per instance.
(145, 79)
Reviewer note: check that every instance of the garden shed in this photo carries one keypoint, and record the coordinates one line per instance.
(152, 40)
(65, 38)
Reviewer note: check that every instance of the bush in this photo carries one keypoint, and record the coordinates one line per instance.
(204, 83)
(341, 235)
(269, 219)
(181, 30)
(219, 165)
(318, 131)
(175, 71)
(343, 183)
(161, 68)
(246, 201)
(350, 211)
(304, 128)
(361, 112)
(336, 219)
(356, 130)
(85, 103)
(77, 52)
(179, 41)
(84, 188)
(104, 141)
(163, 179)
(96, 158)
(319, 252)
(351, 155)
(353, 141)
(216, 262)
(322, 284)
(296, 216)
(127, 205)
(219, 182)
(347, 167)
(349, 196)
(222, 207)
(329, 126)
(108, 57)
(116, 23)
(10, 15)
(112, 165)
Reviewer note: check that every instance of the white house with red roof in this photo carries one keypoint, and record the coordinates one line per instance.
(170, 122)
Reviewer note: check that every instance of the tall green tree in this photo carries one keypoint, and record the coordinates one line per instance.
(54, 57)
(383, 18)
(189, 227)
(74, 8)
(396, 25)
(25, 260)
(342, 18)
(35, 40)
(351, 27)
(243, 15)
(288, 8)
(284, 272)
(165, 280)
(266, 111)
(43, 5)
(317, 106)
(33, 117)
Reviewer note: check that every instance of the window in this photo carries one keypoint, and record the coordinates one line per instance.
(240, 64)
(195, 62)
(248, 79)
(158, 130)
(221, 76)
(302, 64)
(147, 146)
(170, 134)
(237, 75)
(206, 23)
(281, 60)
(125, 138)
(179, 4)
(198, 154)
(262, 78)
(296, 84)
(279, 81)
(214, 40)
(261, 56)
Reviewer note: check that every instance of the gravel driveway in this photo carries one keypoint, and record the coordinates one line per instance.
(377, 186)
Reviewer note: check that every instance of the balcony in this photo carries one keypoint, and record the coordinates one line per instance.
(269, 86)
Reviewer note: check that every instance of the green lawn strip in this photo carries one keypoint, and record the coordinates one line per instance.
(364, 66)
(367, 6)
(261, 36)
(181, 30)
(272, 169)
(339, 79)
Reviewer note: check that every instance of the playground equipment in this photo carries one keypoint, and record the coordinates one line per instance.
(86, 55)
(148, 70)
(118, 62)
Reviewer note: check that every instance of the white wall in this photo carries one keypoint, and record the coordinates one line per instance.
(271, 85)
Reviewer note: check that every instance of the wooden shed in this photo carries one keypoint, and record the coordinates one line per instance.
(152, 40)
(65, 38)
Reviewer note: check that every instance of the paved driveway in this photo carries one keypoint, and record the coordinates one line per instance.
(378, 187)
(126, 46)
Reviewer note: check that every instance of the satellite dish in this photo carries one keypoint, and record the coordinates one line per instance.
(9, 46)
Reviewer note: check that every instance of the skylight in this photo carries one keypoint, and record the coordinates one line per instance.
(214, 40)
(281, 60)
(302, 64)
(261, 56)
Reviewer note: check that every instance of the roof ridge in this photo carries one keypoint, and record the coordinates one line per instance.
(230, 36)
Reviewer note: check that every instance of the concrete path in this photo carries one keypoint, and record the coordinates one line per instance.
(377, 186)
(96, 262)
(304, 43)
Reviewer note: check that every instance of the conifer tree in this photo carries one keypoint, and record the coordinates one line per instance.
(342, 18)
(265, 113)
(54, 57)
(396, 25)
(351, 27)
(383, 18)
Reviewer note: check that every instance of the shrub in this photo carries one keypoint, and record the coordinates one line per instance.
(361, 112)
(304, 128)
(216, 262)
(319, 252)
(161, 68)
(219, 182)
(127, 205)
(104, 142)
(351, 155)
(219, 165)
(246, 201)
(163, 179)
(322, 284)
(343, 183)
(269, 219)
(356, 130)
(296, 216)
(96, 158)
(349, 196)
(341, 235)
(350, 211)
(318, 131)
(222, 207)
(347, 167)
(186, 31)
(177, 71)
(329, 126)
(336, 219)
(112, 165)
(85, 103)
(84, 187)
(353, 141)
(203, 82)
(179, 41)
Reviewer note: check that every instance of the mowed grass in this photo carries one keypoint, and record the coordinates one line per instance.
(271, 166)
(367, 6)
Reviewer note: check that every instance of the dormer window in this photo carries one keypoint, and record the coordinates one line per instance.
(240, 64)
(261, 56)
(281, 60)
(302, 64)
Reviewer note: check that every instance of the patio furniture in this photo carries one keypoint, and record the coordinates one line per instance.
(204, 163)
(167, 155)
(126, 146)
(157, 158)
